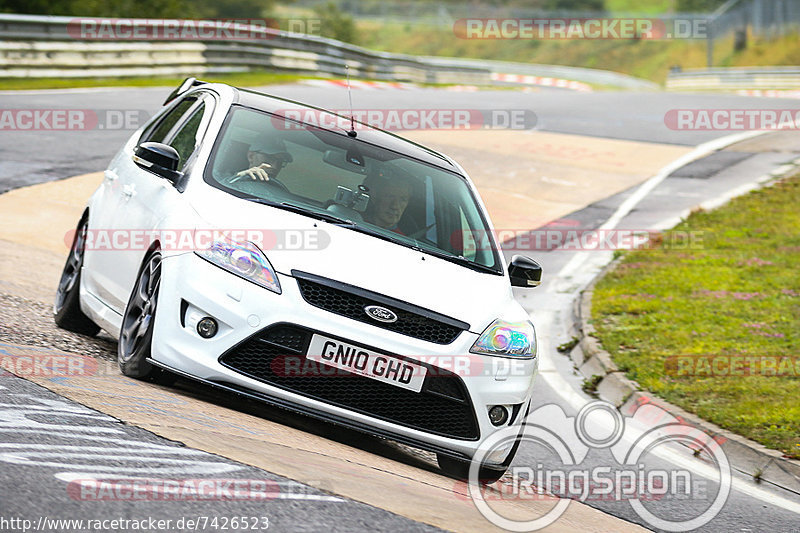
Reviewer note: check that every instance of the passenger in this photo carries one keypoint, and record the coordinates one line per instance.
(388, 199)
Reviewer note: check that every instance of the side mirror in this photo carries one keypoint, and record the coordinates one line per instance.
(160, 159)
(524, 272)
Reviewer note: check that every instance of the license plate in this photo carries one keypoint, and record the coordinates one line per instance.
(366, 363)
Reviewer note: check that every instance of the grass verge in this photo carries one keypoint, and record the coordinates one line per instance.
(244, 79)
(647, 59)
(734, 292)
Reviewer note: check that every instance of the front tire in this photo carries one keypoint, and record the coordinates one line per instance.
(138, 321)
(67, 307)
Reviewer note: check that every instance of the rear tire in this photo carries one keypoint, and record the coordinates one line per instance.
(136, 333)
(67, 307)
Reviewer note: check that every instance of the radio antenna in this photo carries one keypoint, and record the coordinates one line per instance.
(352, 132)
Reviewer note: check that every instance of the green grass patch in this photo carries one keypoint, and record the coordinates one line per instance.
(647, 59)
(244, 79)
(650, 7)
(734, 290)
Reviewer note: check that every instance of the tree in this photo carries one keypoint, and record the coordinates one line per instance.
(186, 9)
(698, 6)
(574, 5)
(335, 24)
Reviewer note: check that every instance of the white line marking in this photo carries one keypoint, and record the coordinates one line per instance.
(190, 466)
(647, 187)
(584, 267)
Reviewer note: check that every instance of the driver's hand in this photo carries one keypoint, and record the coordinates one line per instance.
(256, 173)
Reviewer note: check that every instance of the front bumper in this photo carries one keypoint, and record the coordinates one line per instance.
(192, 288)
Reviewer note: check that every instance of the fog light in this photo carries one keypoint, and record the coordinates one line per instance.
(207, 327)
(498, 415)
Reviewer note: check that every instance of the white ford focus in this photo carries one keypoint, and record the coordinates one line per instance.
(271, 249)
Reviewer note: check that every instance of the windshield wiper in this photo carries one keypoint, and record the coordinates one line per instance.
(333, 219)
(373, 233)
(327, 217)
(461, 260)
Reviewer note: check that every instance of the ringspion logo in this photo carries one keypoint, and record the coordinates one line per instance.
(627, 477)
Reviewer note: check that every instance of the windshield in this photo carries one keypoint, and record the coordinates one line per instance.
(362, 186)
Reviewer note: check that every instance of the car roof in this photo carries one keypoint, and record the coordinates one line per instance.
(366, 133)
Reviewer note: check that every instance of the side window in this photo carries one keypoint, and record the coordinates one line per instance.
(185, 140)
(159, 131)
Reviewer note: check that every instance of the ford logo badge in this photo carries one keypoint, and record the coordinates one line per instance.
(381, 314)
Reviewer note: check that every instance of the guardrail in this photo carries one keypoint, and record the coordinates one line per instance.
(735, 79)
(36, 46)
(586, 75)
(41, 46)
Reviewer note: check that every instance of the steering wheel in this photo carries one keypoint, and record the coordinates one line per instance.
(251, 184)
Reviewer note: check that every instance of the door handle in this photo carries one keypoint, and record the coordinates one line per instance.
(129, 190)
(110, 175)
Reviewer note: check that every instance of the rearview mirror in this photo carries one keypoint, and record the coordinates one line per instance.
(352, 162)
(524, 272)
(160, 159)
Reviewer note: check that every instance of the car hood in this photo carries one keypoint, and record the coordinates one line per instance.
(297, 242)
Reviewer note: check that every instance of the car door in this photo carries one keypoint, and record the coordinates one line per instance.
(100, 259)
(146, 199)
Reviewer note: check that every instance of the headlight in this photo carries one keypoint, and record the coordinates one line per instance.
(243, 259)
(516, 339)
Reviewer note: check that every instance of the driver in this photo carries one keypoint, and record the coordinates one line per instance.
(266, 157)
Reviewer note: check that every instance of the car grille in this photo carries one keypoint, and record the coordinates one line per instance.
(350, 301)
(442, 407)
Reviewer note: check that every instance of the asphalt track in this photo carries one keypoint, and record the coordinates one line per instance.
(30, 157)
(581, 142)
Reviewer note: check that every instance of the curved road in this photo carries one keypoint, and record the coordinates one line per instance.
(582, 140)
